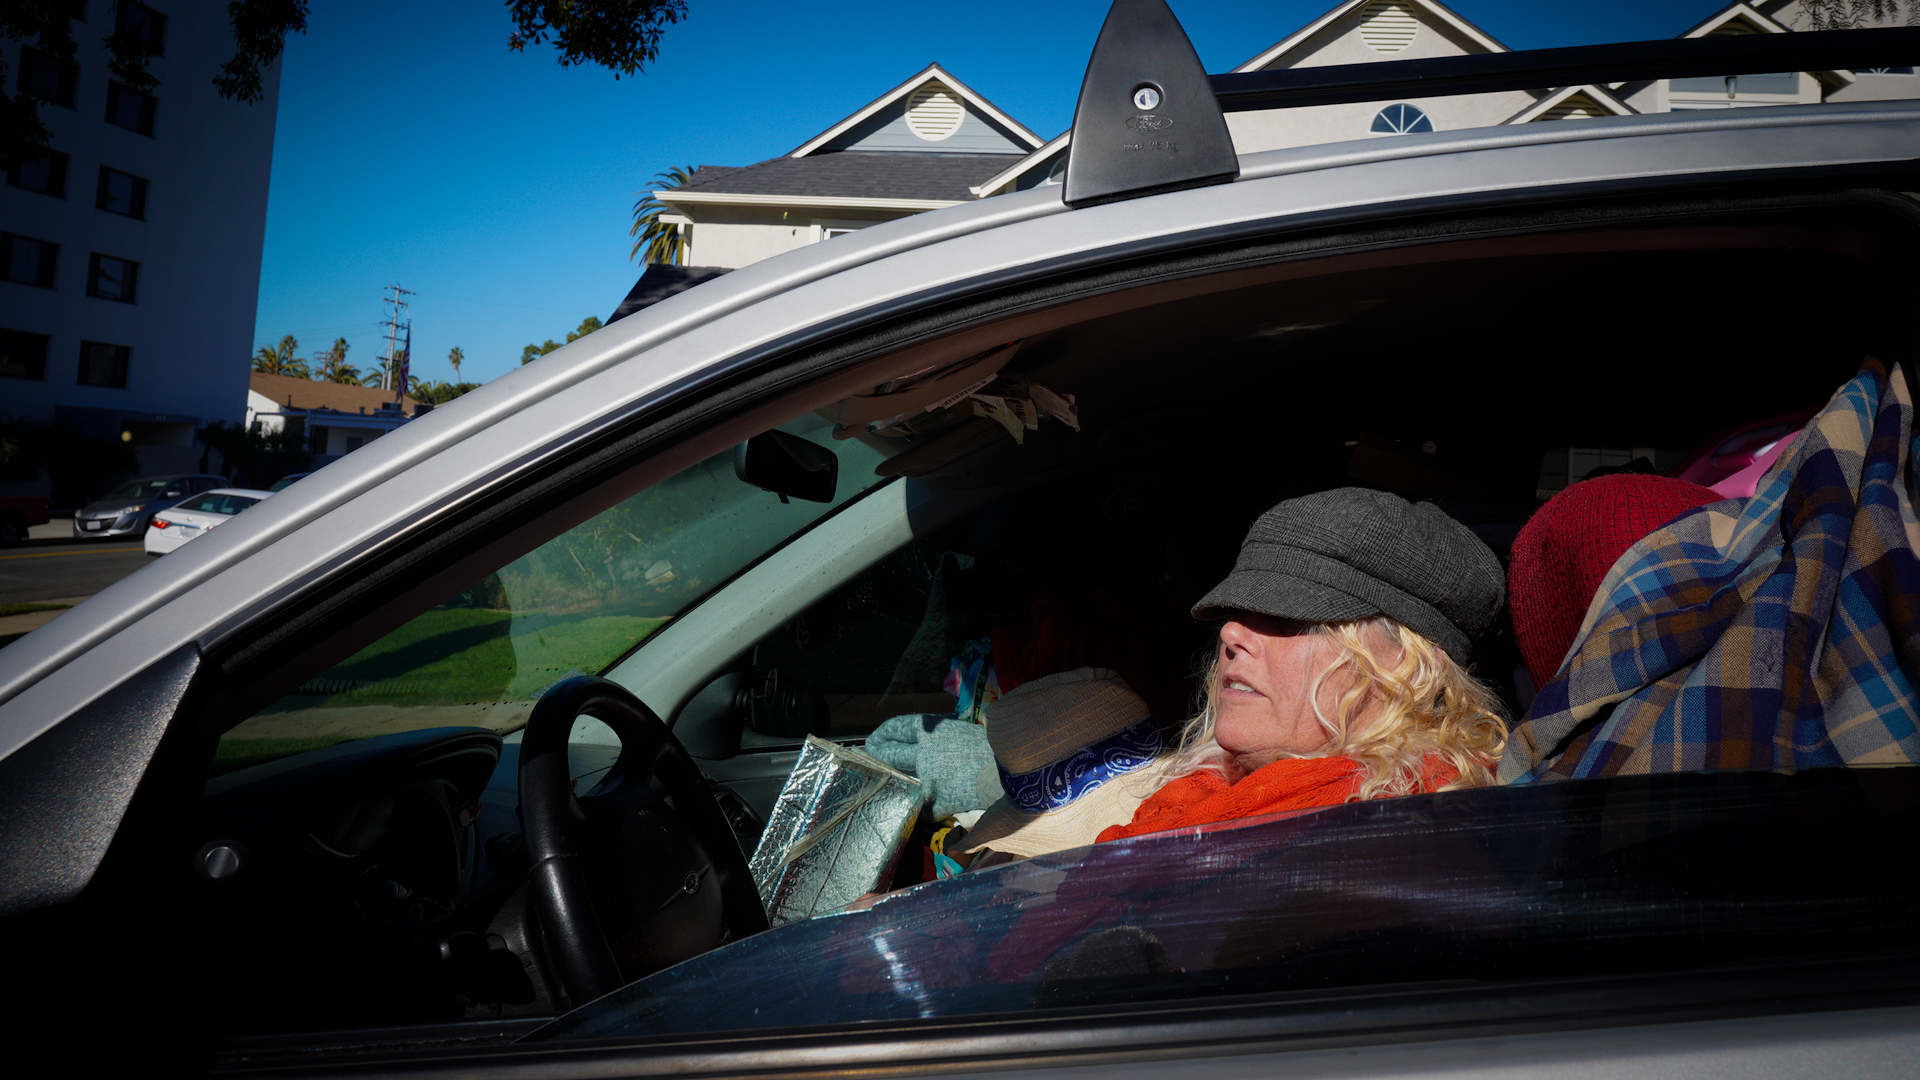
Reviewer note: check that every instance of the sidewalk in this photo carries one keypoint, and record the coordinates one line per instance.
(14, 625)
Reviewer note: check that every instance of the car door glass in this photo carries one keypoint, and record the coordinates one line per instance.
(1081, 573)
(576, 604)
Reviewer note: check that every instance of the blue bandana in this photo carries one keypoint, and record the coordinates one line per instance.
(1051, 787)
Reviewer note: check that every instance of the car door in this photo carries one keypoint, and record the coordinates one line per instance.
(191, 650)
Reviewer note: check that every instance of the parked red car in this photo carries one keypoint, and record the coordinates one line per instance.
(18, 513)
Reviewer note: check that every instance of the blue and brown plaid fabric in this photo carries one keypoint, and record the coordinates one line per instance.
(1780, 631)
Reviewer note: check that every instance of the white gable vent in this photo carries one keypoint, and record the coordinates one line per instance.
(1576, 107)
(1388, 26)
(934, 112)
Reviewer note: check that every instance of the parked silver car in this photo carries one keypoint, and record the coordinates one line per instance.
(126, 510)
(315, 795)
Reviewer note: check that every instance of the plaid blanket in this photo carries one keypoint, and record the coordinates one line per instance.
(1778, 631)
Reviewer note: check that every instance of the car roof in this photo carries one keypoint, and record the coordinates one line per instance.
(554, 405)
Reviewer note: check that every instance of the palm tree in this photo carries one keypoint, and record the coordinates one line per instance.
(661, 240)
(279, 360)
(454, 356)
(1854, 14)
(332, 365)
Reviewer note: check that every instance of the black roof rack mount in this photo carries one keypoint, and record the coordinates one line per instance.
(1147, 120)
(1150, 120)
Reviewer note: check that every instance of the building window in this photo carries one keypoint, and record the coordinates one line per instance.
(111, 279)
(48, 176)
(104, 365)
(144, 24)
(23, 355)
(130, 109)
(122, 193)
(48, 77)
(1887, 71)
(28, 261)
(1401, 120)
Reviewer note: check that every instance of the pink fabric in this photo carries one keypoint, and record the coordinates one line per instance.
(1741, 485)
(1731, 449)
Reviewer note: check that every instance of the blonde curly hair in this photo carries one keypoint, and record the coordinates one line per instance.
(1408, 700)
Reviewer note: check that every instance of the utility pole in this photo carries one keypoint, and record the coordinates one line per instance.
(398, 326)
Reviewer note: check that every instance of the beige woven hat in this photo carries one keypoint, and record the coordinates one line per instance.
(1071, 749)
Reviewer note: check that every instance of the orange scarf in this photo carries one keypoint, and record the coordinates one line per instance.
(1206, 797)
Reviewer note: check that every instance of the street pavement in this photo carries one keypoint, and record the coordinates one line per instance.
(56, 570)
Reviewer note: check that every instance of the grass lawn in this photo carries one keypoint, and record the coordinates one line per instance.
(240, 753)
(457, 656)
(28, 609)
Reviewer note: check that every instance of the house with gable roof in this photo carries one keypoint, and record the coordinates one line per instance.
(932, 142)
(920, 146)
(1364, 31)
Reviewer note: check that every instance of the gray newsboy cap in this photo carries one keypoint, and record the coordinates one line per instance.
(1352, 552)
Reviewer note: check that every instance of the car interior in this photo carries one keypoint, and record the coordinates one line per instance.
(386, 864)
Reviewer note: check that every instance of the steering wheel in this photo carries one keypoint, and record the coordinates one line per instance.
(622, 883)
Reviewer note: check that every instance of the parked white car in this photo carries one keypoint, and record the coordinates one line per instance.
(198, 514)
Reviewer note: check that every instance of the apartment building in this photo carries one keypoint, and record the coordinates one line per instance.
(130, 258)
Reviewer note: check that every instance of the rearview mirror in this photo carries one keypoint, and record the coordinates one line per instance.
(788, 465)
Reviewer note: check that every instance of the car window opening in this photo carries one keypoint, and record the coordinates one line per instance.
(1484, 382)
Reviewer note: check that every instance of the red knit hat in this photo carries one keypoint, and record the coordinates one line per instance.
(1567, 547)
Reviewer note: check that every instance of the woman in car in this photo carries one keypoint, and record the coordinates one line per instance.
(1339, 675)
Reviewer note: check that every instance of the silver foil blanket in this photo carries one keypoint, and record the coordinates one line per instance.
(835, 832)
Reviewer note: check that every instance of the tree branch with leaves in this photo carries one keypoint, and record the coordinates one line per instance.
(1854, 14)
(280, 359)
(534, 352)
(621, 35)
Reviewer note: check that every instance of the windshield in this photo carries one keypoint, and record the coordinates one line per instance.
(574, 605)
(217, 503)
(139, 489)
(1487, 885)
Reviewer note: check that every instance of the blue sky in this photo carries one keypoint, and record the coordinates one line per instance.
(413, 147)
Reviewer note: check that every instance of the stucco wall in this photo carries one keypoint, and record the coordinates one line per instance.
(1279, 128)
(738, 236)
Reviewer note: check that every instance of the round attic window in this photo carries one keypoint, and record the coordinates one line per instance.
(1388, 26)
(1401, 119)
(934, 112)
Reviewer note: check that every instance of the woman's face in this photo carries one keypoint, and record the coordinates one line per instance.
(1267, 670)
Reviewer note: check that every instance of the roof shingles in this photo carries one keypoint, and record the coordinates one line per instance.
(944, 177)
